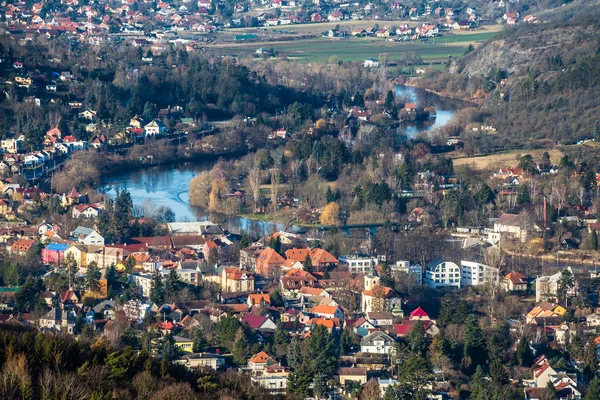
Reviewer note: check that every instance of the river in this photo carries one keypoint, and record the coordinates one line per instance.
(167, 185)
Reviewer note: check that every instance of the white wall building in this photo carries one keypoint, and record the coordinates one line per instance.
(475, 274)
(359, 263)
(406, 267)
(377, 342)
(440, 273)
(143, 282)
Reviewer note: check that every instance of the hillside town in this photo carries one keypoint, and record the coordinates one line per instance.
(206, 298)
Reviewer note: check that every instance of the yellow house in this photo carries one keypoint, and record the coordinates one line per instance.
(120, 266)
(79, 253)
(184, 344)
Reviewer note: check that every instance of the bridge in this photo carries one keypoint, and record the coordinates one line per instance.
(372, 228)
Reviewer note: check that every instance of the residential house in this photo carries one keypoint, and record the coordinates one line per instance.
(514, 281)
(258, 322)
(155, 128)
(54, 253)
(86, 211)
(184, 344)
(380, 318)
(58, 320)
(258, 299)
(202, 360)
(22, 247)
(328, 312)
(377, 342)
(268, 263)
(546, 287)
(79, 253)
(321, 259)
(440, 273)
(477, 274)
(416, 271)
(514, 225)
(87, 236)
(248, 257)
(351, 375)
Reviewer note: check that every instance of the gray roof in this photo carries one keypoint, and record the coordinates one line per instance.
(82, 230)
(370, 338)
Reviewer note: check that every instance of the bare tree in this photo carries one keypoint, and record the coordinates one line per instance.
(254, 180)
(274, 188)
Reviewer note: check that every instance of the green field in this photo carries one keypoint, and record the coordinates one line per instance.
(358, 49)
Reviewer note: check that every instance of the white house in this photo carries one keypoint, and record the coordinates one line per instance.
(547, 286)
(87, 236)
(377, 297)
(328, 311)
(475, 274)
(440, 273)
(371, 63)
(377, 343)
(358, 263)
(143, 282)
(514, 225)
(155, 128)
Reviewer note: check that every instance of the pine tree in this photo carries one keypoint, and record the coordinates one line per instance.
(417, 340)
(523, 353)
(320, 386)
(478, 385)
(171, 285)
(390, 393)
(92, 277)
(474, 350)
(593, 392)
(498, 373)
(294, 358)
(157, 289)
(199, 341)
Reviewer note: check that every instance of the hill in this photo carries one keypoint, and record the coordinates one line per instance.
(538, 83)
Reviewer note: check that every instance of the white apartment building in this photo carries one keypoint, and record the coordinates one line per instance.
(406, 267)
(475, 274)
(359, 263)
(440, 273)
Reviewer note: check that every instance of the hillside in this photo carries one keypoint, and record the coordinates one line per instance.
(538, 83)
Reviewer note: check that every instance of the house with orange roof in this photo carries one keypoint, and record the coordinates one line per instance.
(268, 263)
(322, 259)
(328, 311)
(236, 280)
(260, 361)
(514, 281)
(330, 324)
(307, 291)
(208, 246)
(298, 255)
(21, 247)
(256, 299)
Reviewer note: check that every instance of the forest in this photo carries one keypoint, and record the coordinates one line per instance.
(38, 366)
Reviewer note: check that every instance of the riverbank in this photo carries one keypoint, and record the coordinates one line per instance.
(412, 82)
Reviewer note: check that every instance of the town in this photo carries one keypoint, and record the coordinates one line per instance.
(303, 200)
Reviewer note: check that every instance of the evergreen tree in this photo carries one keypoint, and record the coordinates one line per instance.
(244, 241)
(390, 393)
(523, 197)
(92, 277)
(324, 351)
(112, 277)
(320, 386)
(498, 373)
(590, 368)
(523, 353)
(478, 386)
(226, 330)
(157, 289)
(12, 273)
(294, 357)
(417, 340)
(474, 350)
(199, 341)
(172, 285)
(593, 392)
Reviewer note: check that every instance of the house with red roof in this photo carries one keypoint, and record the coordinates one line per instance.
(22, 247)
(514, 281)
(329, 323)
(419, 314)
(257, 322)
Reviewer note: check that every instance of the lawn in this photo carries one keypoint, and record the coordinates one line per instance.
(358, 49)
(501, 160)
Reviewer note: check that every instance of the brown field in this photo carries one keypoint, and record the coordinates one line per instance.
(509, 159)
